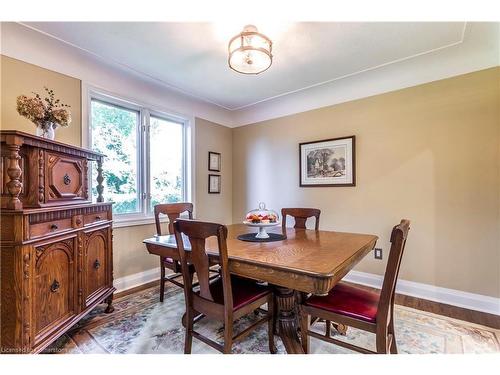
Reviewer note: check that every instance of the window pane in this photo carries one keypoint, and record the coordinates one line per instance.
(114, 133)
(166, 161)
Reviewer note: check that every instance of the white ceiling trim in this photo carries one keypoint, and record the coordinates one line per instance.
(28, 45)
(180, 90)
(479, 50)
(358, 72)
(127, 67)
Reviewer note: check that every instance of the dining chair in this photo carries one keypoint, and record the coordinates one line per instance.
(173, 211)
(359, 308)
(227, 298)
(300, 215)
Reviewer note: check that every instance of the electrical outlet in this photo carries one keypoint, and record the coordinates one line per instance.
(378, 253)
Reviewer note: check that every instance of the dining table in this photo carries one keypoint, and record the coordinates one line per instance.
(305, 262)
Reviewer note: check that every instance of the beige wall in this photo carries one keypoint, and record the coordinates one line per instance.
(428, 153)
(129, 253)
(20, 78)
(213, 137)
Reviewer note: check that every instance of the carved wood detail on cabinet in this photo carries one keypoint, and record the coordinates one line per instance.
(97, 257)
(65, 177)
(54, 301)
(55, 245)
(37, 172)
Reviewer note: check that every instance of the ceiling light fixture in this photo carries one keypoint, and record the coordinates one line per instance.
(250, 51)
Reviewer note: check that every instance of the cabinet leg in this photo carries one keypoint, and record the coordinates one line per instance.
(109, 308)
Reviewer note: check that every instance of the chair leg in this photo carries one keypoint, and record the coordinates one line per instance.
(270, 324)
(328, 329)
(382, 340)
(275, 317)
(228, 336)
(394, 347)
(305, 323)
(188, 342)
(162, 280)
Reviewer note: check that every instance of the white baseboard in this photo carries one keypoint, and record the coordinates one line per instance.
(131, 281)
(447, 296)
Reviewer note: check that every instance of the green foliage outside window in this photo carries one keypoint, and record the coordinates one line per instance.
(114, 133)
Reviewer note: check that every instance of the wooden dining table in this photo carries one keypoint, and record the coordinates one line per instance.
(307, 261)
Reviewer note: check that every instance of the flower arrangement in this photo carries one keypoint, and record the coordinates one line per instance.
(47, 113)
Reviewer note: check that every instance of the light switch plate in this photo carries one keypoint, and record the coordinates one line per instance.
(377, 253)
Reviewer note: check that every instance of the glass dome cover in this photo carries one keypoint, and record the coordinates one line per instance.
(262, 216)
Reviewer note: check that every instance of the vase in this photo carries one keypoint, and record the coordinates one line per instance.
(46, 130)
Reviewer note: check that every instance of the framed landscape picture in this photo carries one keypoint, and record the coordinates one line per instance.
(214, 182)
(329, 162)
(214, 161)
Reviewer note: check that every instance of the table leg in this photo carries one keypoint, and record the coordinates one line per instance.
(287, 322)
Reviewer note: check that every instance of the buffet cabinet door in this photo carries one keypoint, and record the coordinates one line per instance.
(97, 263)
(65, 179)
(54, 289)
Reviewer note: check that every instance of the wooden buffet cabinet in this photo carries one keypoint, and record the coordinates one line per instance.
(56, 258)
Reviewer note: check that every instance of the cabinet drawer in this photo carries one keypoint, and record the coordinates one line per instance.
(95, 217)
(50, 227)
(66, 179)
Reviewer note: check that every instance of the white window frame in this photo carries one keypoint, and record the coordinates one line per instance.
(145, 214)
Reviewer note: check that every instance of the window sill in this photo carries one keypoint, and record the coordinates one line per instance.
(119, 222)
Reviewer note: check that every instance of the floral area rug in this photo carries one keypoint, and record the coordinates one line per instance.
(141, 324)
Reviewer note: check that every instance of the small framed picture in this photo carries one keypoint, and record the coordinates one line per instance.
(214, 161)
(214, 182)
(329, 162)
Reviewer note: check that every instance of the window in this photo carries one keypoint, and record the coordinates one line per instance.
(145, 156)
(115, 134)
(166, 164)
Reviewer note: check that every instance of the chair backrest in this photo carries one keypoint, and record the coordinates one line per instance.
(197, 232)
(173, 211)
(398, 242)
(300, 215)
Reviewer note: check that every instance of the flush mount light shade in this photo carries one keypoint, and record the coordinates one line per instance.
(250, 51)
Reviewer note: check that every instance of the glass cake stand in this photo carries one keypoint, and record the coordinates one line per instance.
(262, 218)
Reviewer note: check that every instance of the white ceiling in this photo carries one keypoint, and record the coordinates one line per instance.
(192, 57)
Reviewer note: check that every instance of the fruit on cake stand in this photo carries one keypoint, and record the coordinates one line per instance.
(262, 218)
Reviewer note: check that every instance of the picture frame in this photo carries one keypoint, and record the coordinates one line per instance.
(214, 161)
(328, 162)
(214, 184)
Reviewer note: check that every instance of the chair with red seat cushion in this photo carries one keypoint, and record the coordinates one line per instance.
(348, 300)
(359, 308)
(227, 298)
(244, 291)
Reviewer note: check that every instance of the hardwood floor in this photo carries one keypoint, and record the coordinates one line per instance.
(137, 289)
(478, 317)
(472, 316)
